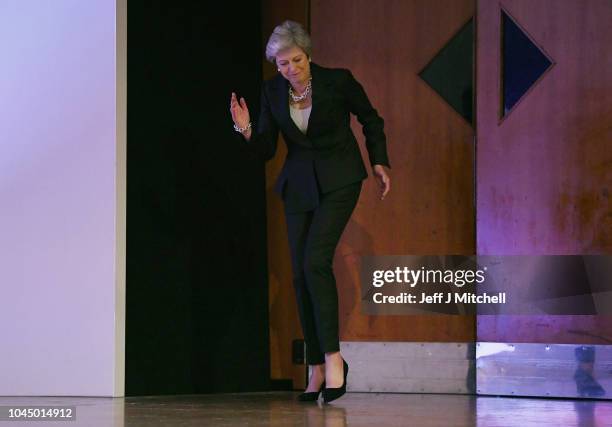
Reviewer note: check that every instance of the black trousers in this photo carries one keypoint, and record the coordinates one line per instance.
(313, 237)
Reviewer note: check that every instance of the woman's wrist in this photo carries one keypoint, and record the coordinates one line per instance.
(243, 129)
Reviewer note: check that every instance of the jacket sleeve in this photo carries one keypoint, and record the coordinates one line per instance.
(264, 135)
(372, 123)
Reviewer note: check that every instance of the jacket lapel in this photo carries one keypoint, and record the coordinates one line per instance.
(320, 92)
(281, 101)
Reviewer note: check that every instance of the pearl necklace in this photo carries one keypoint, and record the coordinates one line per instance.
(302, 96)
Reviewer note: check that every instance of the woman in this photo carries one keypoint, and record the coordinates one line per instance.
(320, 182)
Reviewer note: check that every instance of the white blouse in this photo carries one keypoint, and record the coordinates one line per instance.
(300, 117)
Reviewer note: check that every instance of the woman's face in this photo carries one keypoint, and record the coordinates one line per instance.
(293, 64)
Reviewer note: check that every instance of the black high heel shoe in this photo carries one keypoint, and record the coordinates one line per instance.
(333, 393)
(311, 396)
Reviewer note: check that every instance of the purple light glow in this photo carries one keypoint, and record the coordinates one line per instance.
(57, 186)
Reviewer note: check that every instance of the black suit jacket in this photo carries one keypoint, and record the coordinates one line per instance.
(327, 157)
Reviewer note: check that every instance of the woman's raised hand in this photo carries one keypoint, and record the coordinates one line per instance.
(240, 111)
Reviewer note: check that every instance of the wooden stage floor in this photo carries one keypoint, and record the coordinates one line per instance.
(354, 409)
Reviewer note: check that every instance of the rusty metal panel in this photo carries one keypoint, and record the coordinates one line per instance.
(545, 171)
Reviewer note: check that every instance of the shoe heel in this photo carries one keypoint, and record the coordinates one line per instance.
(311, 396)
(333, 393)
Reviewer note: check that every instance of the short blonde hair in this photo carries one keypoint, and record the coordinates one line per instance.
(285, 36)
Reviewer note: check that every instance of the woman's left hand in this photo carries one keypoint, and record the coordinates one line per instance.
(383, 180)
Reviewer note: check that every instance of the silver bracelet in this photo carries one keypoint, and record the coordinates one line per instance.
(242, 130)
